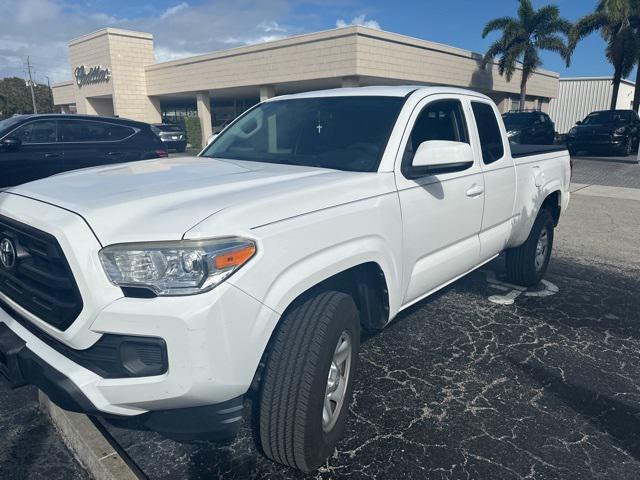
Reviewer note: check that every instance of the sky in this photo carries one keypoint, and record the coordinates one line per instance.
(41, 29)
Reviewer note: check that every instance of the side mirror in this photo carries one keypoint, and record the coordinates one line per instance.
(579, 122)
(11, 142)
(441, 156)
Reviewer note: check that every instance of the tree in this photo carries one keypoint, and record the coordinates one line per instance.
(15, 97)
(618, 22)
(636, 96)
(522, 39)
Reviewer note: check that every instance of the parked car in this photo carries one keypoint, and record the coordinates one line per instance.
(173, 136)
(252, 268)
(37, 146)
(610, 131)
(530, 128)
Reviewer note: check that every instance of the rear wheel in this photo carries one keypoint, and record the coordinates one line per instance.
(308, 380)
(527, 264)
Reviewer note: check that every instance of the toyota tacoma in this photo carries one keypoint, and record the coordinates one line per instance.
(160, 294)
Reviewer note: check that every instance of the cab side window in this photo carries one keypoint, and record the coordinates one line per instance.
(489, 132)
(440, 120)
(43, 131)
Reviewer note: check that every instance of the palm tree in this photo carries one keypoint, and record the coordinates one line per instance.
(523, 37)
(636, 96)
(617, 21)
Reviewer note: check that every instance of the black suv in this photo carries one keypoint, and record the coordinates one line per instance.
(36, 146)
(529, 128)
(607, 130)
(173, 136)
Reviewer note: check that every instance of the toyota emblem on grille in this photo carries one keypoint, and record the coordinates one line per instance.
(7, 253)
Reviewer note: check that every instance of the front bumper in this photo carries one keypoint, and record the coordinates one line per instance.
(596, 142)
(20, 366)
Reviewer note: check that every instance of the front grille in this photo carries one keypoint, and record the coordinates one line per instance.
(39, 278)
(594, 137)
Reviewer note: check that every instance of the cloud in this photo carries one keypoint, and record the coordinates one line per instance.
(29, 11)
(358, 20)
(165, 54)
(42, 29)
(173, 10)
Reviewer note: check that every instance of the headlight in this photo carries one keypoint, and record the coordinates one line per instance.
(176, 268)
(512, 133)
(620, 131)
(572, 132)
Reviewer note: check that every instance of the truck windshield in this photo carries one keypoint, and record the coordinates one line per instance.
(342, 133)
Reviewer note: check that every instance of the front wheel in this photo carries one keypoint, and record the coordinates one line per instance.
(308, 380)
(527, 264)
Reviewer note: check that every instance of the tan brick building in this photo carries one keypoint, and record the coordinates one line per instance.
(114, 73)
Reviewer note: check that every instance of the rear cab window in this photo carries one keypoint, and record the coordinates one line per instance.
(488, 132)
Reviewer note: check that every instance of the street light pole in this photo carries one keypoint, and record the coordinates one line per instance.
(33, 95)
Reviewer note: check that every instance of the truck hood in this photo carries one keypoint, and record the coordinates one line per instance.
(163, 199)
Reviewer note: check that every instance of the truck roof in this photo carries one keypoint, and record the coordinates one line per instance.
(379, 91)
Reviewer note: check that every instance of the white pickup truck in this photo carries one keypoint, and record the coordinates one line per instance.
(160, 294)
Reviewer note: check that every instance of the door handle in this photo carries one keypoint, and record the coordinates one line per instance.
(475, 191)
(51, 155)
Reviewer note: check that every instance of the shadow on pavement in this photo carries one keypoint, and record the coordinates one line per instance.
(616, 418)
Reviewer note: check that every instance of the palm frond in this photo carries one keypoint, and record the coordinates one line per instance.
(497, 24)
(585, 26)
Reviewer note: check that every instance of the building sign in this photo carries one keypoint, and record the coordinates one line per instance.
(91, 75)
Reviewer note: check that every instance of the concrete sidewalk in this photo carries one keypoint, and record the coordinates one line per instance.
(621, 193)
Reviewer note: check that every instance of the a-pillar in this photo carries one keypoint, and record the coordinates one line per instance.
(267, 92)
(203, 102)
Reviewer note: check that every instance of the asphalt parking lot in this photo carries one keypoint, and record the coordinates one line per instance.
(479, 381)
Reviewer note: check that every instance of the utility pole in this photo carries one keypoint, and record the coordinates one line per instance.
(33, 95)
(50, 92)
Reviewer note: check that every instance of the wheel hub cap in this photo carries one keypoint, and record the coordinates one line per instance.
(337, 382)
(541, 250)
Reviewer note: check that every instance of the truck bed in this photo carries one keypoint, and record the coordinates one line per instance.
(519, 151)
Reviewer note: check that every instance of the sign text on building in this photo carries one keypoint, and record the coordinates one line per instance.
(91, 75)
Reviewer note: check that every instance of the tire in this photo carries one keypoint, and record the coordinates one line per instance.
(572, 151)
(181, 149)
(296, 380)
(628, 147)
(522, 268)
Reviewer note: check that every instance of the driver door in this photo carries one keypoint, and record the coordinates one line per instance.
(441, 213)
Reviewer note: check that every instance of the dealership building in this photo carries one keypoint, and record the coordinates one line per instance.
(113, 72)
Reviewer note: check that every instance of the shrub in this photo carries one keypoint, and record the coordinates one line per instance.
(194, 131)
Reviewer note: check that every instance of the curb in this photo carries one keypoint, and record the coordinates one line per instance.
(87, 443)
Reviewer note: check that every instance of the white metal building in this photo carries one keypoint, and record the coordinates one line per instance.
(579, 96)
